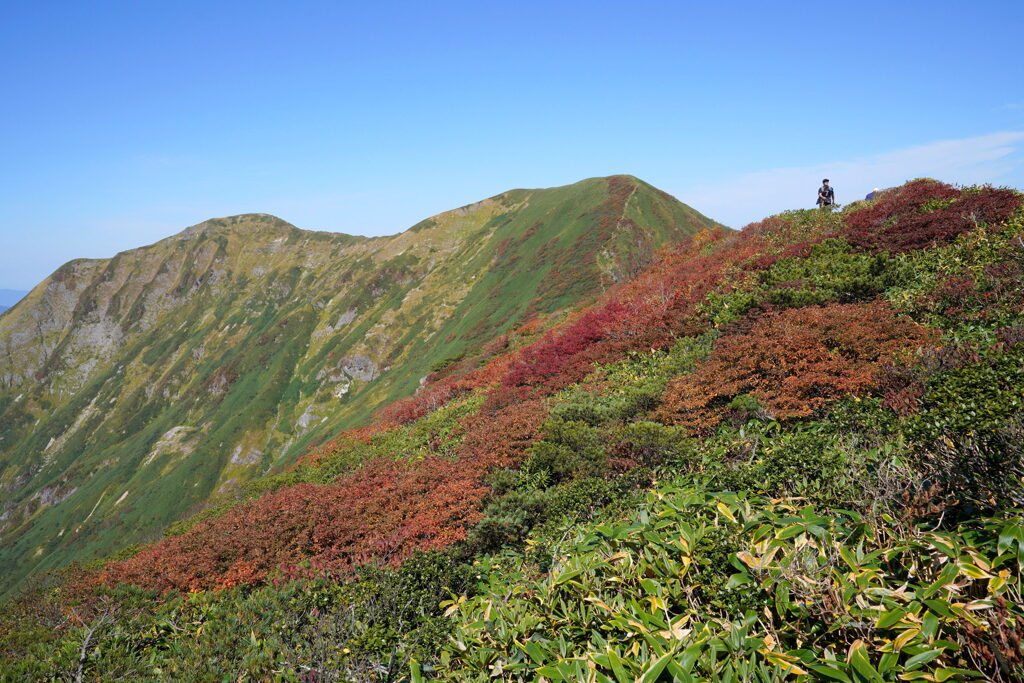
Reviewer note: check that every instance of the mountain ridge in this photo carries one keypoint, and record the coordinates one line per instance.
(790, 453)
(225, 350)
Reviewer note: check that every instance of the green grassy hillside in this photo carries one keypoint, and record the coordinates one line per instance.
(137, 389)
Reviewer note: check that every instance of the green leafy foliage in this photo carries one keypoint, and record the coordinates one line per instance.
(832, 272)
(734, 587)
(291, 630)
(971, 422)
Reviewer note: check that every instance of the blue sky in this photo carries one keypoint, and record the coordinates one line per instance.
(122, 123)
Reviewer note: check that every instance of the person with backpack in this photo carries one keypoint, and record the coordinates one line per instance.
(826, 195)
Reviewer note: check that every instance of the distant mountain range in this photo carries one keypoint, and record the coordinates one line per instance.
(9, 297)
(136, 389)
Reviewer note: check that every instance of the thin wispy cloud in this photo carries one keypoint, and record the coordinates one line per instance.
(752, 196)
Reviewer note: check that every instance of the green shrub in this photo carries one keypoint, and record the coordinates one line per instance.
(977, 471)
(569, 450)
(976, 399)
(515, 514)
(969, 287)
(654, 445)
(623, 391)
(807, 462)
(832, 273)
(349, 630)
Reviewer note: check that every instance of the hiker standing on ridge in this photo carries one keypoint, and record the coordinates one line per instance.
(826, 195)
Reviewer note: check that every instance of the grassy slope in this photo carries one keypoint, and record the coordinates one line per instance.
(875, 536)
(233, 331)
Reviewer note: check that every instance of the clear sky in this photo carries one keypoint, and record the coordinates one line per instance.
(125, 122)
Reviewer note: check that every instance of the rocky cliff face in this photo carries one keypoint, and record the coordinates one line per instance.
(136, 389)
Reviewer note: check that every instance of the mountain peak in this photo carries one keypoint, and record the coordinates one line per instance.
(241, 223)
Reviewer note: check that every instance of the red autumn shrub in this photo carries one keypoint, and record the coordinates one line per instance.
(772, 225)
(793, 362)
(648, 312)
(382, 512)
(500, 439)
(486, 369)
(989, 204)
(554, 352)
(907, 198)
(425, 401)
(902, 388)
(762, 262)
(923, 212)
(385, 511)
(797, 250)
(651, 311)
(347, 439)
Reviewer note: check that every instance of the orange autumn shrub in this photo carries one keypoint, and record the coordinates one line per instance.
(382, 512)
(501, 438)
(793, 362)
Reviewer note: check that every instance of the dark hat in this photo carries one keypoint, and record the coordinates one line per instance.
(824, 180)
